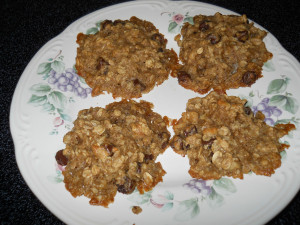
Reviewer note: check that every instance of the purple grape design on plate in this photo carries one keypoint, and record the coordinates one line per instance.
(198, 186)
(49, 96)
(68, 81)
(268, 111)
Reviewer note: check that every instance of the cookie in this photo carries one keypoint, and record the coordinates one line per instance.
(126, 58)
(113, 149)
(222, 137)
(220, 52)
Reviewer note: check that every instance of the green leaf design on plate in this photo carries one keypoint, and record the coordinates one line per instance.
(40, 89)
(172, 26)
(277, 100)
(44, 68)
(169, 195)
(285, 121)
(168, 206)
(53, 132)
(57, 99)
(283, 155)
(251, 94)
(37, 100)
(92, 30)
(291, 105)
(58, 66)
(47, 107)
(139, 199)
(214, 199)
(187, 210)
(98, 23)
(54, 179)
(224, 185)
(45, 76)
(249, 102)
(269, 66)
(277, 86)
(65, 117)
(189, 19)
(82, 80)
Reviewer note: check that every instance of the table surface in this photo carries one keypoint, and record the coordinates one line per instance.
(27, 25)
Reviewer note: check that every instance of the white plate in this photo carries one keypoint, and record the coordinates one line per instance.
(41, 114)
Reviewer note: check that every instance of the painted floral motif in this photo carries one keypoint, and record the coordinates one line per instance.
(177, 20)
(210, 191)
(48, 95)
(95, 29)
(58, 177)
(274, 103)
(269, 66)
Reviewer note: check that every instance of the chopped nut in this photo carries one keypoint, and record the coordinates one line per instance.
(147, 178)
(199, 51)
(99, 129)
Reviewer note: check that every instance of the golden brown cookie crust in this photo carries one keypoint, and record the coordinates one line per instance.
(220, 52)
(114, 149)
(222, 137)
(126, 58)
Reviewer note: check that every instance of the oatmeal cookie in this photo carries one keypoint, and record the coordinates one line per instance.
(222, 137)
(220, 52)
(126, 58)
(114, 149)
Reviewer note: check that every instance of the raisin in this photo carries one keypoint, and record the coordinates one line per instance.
(158, 37)
(164, 144)
(139, 167)
(242, 36)
(164, 135)
(160, 50)
(203, 26)
(208, 143)
(105, 23)
(247, 110)
(128, 186)
(109, 148)
(101, 63)
(148, 157)
(190, 130)
(61, 159)
(183, 77)
(249, 77)
(214, 39)
(137, 82)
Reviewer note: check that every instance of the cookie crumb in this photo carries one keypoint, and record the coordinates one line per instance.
(136, 210)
